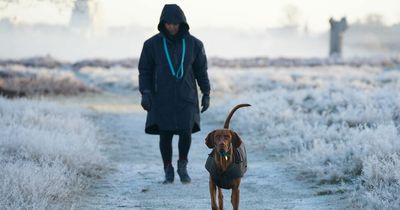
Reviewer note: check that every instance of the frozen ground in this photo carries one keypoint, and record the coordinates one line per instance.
(316, 135)
(317, 138)
(136, 184)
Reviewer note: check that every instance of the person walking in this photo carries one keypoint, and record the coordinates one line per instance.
(170, 64)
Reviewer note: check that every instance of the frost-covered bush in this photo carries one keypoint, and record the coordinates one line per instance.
(112, 79)
(19, 80)
(48, 153)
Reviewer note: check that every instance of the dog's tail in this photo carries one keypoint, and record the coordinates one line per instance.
(228, 119)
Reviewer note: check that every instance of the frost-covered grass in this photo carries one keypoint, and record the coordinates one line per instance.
(115, 79)
(338, 124)
(40, 81)
(59, 81)
(48, 154)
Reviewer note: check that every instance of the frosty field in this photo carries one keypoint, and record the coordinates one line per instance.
(324, 137)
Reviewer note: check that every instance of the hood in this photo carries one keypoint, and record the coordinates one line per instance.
(172, 13)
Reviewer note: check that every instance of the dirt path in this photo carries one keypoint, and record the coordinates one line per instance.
(136, 181)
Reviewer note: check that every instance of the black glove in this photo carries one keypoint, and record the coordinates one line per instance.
(205, 102)
(146, 100)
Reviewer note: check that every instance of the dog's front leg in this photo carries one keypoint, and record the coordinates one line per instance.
(220, 199)
(235, 198)
(213, 191)
(235, 194)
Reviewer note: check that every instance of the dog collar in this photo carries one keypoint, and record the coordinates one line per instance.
(224, 154)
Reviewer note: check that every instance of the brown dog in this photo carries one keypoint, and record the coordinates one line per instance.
(227, 163)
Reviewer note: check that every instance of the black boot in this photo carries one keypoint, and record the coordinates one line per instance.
(182, 171)
(169, 174)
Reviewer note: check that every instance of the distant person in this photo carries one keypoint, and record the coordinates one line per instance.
(170, 64)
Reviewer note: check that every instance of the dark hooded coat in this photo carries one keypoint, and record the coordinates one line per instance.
(175, 104)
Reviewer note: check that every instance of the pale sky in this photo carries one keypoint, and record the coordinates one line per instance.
(249, 14)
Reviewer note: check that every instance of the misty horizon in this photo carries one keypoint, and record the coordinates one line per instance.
(113, 31)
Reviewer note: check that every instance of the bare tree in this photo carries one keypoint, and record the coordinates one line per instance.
(62, 4)
(374, 19)
(292, 15)
(336, 36)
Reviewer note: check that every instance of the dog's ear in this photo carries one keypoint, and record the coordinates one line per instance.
(210, 140)
(236, 140)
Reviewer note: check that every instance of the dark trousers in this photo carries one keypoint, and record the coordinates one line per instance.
(185, 139)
